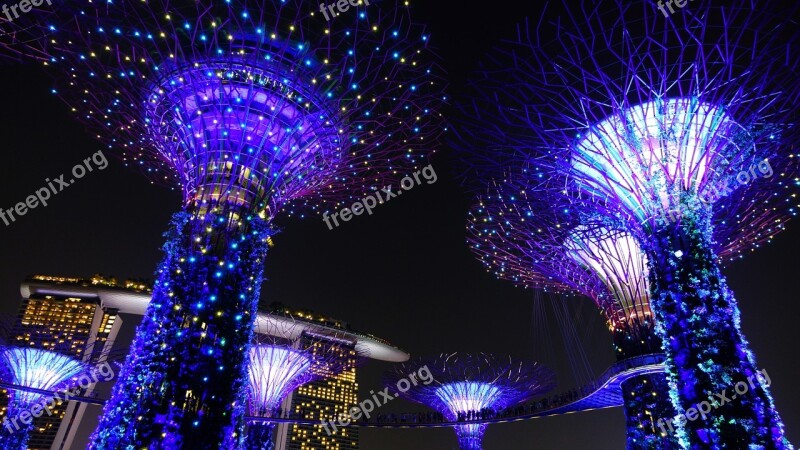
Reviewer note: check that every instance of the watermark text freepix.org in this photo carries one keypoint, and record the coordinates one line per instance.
(340, 5)
(702, 409)
(46, 404)
(713, 192)
(383, 196)
(55, 186)
(678, 3)
(24, 6)
(381, 398)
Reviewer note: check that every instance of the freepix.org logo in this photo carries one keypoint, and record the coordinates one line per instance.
(103, 372)
(24, 7)
(380, 197)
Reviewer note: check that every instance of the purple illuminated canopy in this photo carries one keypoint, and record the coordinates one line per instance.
(465, 385)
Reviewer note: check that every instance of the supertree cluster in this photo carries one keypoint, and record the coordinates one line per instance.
(284, 357)
(252, 110)
(676, 130)
(467, 386)
(523, 238)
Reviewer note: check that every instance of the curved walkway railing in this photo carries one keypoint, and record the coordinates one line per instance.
(605, 392)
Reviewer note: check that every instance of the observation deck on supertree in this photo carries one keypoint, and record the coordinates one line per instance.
(250, 109)
(470, 386)
(532, 243)
(635, 118)
(280, 362)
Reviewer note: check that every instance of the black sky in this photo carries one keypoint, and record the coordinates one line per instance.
(404, 273)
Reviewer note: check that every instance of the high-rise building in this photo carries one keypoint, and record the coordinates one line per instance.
(68, 316)
(325, 398)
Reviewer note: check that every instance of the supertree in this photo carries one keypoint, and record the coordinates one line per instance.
(471, 387)
(527, 240)
(284, 357)
(660, 125)
(36, 369)
(32, 374)
(252, 109)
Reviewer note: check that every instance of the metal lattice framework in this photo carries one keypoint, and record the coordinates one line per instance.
(31, 372)
(635, 115)
(248, 102)
(37, 369)
(677, 130)
(466, 384)
(285, 356)
(519, 238)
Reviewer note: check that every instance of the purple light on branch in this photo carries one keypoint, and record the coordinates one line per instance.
(274, 373)
(37, 369)
(469, 386)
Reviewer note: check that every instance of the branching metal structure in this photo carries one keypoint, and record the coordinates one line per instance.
(525, 239)
(678, 130)
(466, 385)
(281, 360)
(252, 110)
(33, 373)
(31, 368)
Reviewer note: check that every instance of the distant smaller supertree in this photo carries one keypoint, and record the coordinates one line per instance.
(283, 358)
(473, 386)
(38, 377)
(33, 369)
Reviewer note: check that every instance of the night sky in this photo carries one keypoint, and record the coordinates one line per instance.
(404, 274)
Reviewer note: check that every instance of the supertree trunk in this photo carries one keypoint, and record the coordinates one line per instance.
(707, 356)
(470, 437)
(202, 314)
(259, 436)
(14, 437)
(646, 401)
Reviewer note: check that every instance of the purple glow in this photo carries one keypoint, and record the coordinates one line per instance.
(274, 373)
(617, 259)
(656, 150)
(37, 369)
(466, 386)
(465, 396)
(250, 116)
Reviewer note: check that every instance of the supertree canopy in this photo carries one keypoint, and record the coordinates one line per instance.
(470, 386)
(526, 240)
(252, 109)
(34, 369)
(678, 131)
(278, 366)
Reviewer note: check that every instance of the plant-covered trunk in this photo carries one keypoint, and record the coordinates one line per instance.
(470, 437)
(713, 377)
(14, 434)
(260, 436)
(185, 380)
(646, 402)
